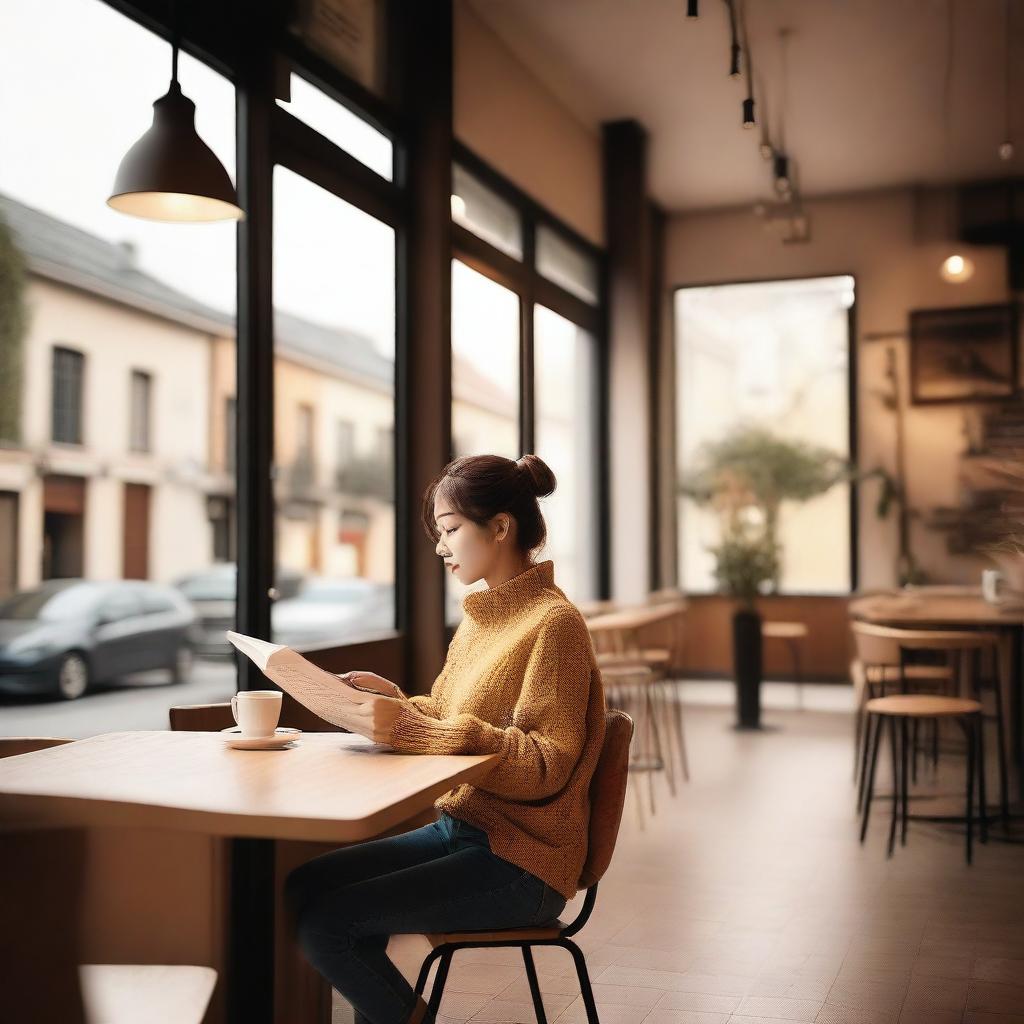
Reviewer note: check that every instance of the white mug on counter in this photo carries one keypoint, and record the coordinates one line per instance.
(257, 712)
(992, 583)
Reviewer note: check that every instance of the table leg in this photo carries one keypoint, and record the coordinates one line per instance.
(1011, 686)
(250, 963)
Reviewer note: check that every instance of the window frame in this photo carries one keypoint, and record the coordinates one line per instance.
(79, 360)
(852, 371)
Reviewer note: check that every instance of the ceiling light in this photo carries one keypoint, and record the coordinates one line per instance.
(956, 269)
(748, 113)
(1006, 150)
(691, 8)
(170, 174)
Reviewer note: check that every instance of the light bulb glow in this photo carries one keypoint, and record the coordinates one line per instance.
(956, 269)
(458, 207)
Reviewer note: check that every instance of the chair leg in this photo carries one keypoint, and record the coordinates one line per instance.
(904, 788)
(982, 797)
(897, 778)
(870, 775)
(1004, 799)
(798, 675)
(969, 728)
(438, 988)
(872, 722)
(677, 722)
(428, 962)
(531, 977)
(584, 978)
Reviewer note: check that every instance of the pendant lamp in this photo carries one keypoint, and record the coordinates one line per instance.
(170, 174)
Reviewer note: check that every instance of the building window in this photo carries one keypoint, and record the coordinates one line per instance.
(758, 364)
(141, 397)
(68, 373)
(346, 453)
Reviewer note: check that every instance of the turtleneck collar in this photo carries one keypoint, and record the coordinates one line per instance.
(497, 604)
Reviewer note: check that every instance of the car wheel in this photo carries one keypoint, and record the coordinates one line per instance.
(182, 668)
(72, 677)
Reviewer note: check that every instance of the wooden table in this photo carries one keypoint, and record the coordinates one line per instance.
(962, 608)
(332, 787)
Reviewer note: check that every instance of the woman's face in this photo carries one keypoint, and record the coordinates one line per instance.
(470, 551)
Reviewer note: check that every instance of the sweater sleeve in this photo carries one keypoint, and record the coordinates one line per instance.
(540, 749)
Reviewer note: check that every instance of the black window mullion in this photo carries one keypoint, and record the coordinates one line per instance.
(527, 421)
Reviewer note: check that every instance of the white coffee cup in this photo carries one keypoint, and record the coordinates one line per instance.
(257, 712)
(992, 581)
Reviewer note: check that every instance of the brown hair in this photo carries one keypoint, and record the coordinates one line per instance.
(480, 486)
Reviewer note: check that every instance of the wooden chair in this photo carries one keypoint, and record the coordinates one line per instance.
(129, 993)
(607, 795)
(899, 710)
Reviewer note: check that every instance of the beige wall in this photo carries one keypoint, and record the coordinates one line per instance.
(507, 118)
(873, 236)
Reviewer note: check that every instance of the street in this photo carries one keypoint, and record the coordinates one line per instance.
(138, 702)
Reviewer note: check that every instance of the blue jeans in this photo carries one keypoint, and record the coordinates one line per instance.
(442, 877)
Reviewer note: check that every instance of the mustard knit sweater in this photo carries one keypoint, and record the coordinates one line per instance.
(520, 680)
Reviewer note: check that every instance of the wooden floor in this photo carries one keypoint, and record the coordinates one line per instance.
(748, 899)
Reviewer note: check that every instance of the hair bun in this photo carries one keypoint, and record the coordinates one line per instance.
(542, 480)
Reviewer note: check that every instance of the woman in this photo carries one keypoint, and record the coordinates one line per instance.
(520, 680)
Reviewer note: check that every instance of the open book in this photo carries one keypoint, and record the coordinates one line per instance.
(315, 688)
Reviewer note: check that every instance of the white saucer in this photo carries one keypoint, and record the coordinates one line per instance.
(283, 737)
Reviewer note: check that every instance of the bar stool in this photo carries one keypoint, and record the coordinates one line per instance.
(967, 651)
(904, 708)
(880, 667)
(791, 633)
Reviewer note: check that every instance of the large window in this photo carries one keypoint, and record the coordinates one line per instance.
(526, 321)
(129, 349)
(566, 382)
(334, 370)
(485, 365)
(773, 358)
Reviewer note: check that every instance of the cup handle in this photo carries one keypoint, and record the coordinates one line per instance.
(234, 709)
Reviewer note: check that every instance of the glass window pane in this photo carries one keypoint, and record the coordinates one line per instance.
(565, 370)
(138, 385)
(485, 377)
(566, 264)
(334, 370)
(772, 356)
(482, 211)
(344, 128)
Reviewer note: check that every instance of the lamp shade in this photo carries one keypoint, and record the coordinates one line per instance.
(170, 174)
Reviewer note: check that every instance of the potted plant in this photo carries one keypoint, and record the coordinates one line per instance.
(745, 477)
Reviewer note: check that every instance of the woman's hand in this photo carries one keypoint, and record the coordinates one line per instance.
(374, 718)
(371, 681)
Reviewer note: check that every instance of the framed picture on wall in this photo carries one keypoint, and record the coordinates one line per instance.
(965, 354)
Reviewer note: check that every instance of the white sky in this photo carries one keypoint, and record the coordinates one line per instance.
(77, 84)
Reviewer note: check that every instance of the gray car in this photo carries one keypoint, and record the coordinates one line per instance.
(65, 635)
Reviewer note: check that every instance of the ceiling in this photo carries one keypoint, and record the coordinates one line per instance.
(864, 97)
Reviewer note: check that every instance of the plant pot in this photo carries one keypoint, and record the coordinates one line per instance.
(746, 660)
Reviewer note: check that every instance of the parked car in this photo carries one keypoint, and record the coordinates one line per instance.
(212, 594)
(65, 635)
(334, 611)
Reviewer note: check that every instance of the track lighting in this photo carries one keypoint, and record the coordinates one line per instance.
(748, 113)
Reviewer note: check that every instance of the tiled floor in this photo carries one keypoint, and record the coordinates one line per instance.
(748, 899)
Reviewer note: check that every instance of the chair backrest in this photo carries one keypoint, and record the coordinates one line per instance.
(607, 796)
(10, 746)
(880, 645)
